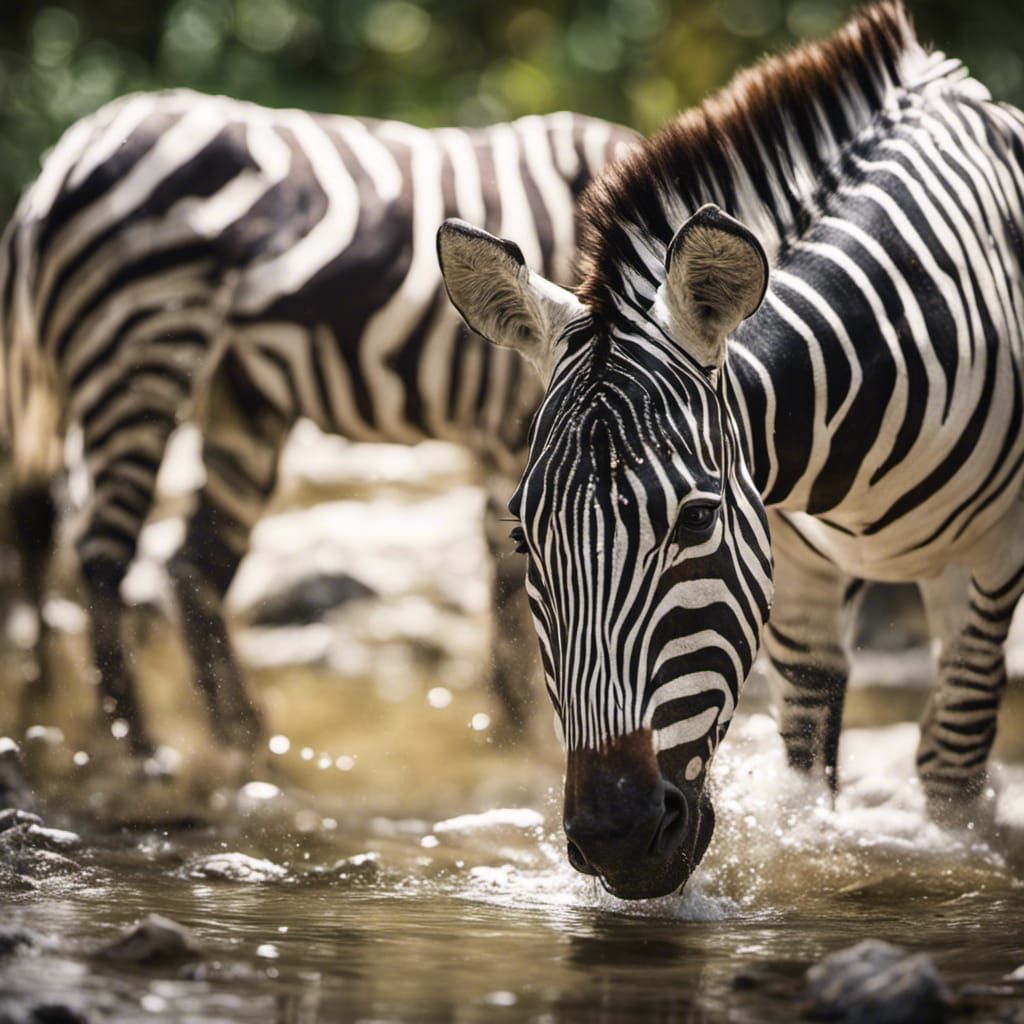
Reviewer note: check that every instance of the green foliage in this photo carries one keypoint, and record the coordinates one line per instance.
(427, 61)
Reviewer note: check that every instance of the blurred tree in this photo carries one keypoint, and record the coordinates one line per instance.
(427, 61)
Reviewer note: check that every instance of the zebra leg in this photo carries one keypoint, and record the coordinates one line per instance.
(124, 446)
(514, 658)
(34, 515)
(242, 437)
(808, 663)
(969, 613)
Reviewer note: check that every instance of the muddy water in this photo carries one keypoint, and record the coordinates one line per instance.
(392, 857)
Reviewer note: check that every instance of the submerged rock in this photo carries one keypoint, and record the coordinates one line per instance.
(153, 940)
(874, 981)
(237, 867)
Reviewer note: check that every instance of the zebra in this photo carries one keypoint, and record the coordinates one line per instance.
(184, 255)
(799, 335)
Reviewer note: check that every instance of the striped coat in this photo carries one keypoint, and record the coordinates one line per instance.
(187, 255)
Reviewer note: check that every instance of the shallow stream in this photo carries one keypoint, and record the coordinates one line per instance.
(390, 857)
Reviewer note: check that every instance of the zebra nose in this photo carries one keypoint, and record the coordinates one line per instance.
(607, 835)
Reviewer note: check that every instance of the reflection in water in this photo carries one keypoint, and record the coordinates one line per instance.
(390, 860)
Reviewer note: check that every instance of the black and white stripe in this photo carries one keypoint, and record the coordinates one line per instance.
(874, 403)
(183, 255)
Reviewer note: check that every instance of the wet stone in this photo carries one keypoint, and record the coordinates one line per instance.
(32, 851)
(877, 982)
(43, 1013)
(14, 787)
(154, 940)
(309, 600)
(12, 817)
(56, 1013)
(363, 868)
(14, 939)
(237, 867)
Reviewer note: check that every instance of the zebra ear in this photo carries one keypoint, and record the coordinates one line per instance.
(716, 276)
(498, 295)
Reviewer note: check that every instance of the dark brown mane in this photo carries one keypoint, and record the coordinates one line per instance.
(758, 148)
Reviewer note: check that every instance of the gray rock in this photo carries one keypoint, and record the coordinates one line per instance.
(14, 787)
(56, 1013)
(42, 1013)
(309, 600)
(12, 817)
(153, 940)
(13, 939)
(28, 850)
(874, 981)
(237, 867)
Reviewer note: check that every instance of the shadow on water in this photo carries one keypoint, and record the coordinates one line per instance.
(390, 859)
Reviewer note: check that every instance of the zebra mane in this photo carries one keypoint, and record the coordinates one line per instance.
(762, 149)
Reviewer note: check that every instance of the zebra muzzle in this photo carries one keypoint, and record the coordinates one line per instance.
(627, 824)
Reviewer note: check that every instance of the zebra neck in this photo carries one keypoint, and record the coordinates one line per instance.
(774, 401)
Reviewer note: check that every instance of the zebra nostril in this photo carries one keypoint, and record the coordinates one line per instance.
(672, 826)
(577, 860)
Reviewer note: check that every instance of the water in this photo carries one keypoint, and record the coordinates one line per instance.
(346, 914)
(390, 857)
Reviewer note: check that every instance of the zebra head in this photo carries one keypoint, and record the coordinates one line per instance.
(649, 566)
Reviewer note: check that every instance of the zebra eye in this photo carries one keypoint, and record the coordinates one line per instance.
(518, 537)
(697, 517)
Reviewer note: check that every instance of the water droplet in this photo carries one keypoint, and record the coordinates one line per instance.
(307, 753)
(81, 758)
(259, 791)
(119, 728)
(344, 763)
(501, 999)
(279, 744)
(267, 950)
(480, 721)
(429, 842)
(324, 761)
(439, 697)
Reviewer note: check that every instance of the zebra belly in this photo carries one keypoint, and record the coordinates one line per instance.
(902, 555)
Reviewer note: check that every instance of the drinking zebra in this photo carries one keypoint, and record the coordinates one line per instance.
(183, 254)
(868, 391)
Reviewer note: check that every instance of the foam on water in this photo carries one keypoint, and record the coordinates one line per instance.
(779, 844)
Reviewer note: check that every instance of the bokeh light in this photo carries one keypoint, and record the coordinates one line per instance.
(428, 61)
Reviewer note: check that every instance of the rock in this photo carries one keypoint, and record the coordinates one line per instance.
(308, 600)
(12, 817)
(56, 1013)
(153, 940)
(874, 981)
(54, 838)
(31, 851)
(237, 867)
(13, 939)
(14, 787)
(43, 1013)
(360, 868)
